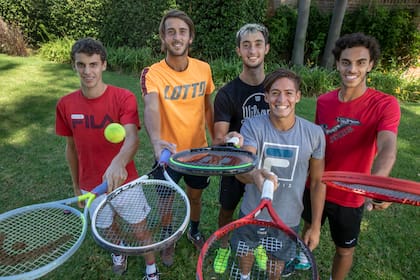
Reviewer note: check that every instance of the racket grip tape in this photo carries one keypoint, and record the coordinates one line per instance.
(268, 190)
(164, 157)
(100, 189)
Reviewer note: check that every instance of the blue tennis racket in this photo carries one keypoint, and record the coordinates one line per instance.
(38, 238)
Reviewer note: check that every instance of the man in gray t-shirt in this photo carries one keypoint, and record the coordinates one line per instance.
(290, 147)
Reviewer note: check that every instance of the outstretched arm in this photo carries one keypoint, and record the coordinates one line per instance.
(386, 156)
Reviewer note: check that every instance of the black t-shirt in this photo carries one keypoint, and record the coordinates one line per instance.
(236, 101)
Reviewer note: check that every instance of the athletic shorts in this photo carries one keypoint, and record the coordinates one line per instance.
(230, 192)
(344, 221)
(133, 210)
(276, 243)
(194, 182)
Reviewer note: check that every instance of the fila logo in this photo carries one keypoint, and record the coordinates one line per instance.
(89, 121)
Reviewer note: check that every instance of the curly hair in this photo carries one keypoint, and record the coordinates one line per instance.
(357, 40)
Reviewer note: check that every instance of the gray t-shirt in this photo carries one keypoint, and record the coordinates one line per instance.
(287, 154)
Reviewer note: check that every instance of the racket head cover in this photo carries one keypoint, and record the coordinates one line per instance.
(209, 161)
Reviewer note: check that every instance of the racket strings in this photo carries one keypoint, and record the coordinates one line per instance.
(363, 189)
(144, 214)
(216, 158)
(264, 258)
(27, 245)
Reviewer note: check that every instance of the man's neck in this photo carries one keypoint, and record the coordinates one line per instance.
(95, 92)
(252, 76)
(177, 63)
(346, 94)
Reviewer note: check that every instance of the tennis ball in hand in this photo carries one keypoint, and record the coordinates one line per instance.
(114, 133)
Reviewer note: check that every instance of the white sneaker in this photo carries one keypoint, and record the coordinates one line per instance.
(152, 276)
(119, 264)
(303, 263)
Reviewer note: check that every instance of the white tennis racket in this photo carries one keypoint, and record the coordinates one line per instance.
(144, 215)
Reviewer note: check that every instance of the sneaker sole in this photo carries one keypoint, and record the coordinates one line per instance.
(302, 266)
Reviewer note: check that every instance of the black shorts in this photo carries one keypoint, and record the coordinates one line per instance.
(194, 182)
(278, 245)
(344, 221)
(230, 192)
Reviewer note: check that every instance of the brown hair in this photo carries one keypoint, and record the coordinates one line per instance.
(175, 14)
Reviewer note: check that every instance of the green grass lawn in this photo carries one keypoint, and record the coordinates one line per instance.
(33, 169)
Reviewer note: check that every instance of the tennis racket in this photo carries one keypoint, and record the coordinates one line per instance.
(38, 238)
(216, 160)
(142, 216)
(262, 247)
(379, 188)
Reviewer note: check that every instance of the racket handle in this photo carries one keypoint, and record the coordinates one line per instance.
(164, 157)
(100, 189)
(268, 190)
(234, 141)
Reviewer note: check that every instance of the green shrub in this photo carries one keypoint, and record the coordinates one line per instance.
(316, 80)
(282, 30)
(129, 60)
(392, 83)
(11, 40)
(57, 50)
(133, 23)
(217, 22)
(225, 70)
(395, 30)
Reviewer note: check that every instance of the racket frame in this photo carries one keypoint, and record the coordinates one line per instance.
(203, 170)
(354, 182)
(64, 205)
(157, 246)
(251, 219)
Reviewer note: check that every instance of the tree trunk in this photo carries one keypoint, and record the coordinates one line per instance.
(298, 52)
(334, 32)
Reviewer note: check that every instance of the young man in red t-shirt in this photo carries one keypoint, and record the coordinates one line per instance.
(82, 116)
(360, 125)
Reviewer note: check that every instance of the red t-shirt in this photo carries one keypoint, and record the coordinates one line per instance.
(351, 129)
(85, 120)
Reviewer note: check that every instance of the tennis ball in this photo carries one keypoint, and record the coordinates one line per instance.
(114, 133)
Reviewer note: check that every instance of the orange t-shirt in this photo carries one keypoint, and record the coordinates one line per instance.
(181, 101)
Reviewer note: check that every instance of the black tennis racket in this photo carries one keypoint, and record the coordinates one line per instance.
(38, 238)
(215, 160)
(379, 188)
(264, 248)
(142, 216)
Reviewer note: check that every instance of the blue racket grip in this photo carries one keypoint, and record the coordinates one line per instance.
(100, 189)
(164, 157)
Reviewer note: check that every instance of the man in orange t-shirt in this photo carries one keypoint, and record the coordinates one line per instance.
(177, 99)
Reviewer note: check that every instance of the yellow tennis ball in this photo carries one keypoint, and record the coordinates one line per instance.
(114, 133)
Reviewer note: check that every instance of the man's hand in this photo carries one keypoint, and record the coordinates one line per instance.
(373, 204)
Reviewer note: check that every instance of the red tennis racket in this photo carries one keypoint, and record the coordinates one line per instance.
(376, 187)
(263, 248)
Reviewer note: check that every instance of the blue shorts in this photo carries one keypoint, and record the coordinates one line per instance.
(344, 221)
